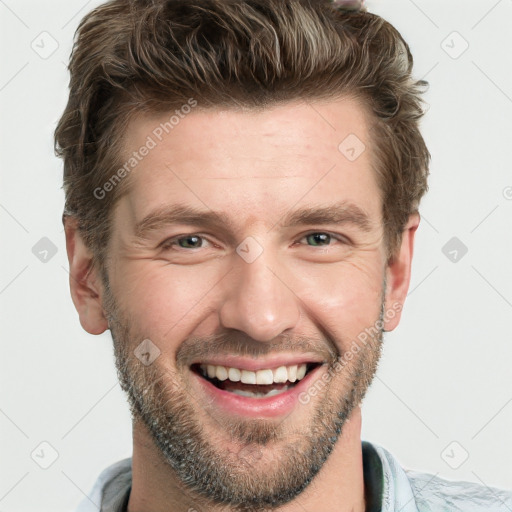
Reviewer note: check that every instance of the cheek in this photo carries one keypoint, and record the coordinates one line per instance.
(168, 302)
(344, 298)
(161, 300)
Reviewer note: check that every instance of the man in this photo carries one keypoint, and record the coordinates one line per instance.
(242, 186)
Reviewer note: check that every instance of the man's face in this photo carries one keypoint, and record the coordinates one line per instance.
(263, 287)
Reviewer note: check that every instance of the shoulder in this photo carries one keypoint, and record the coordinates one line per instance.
(436, 494)
(118, 472)
(414, 491)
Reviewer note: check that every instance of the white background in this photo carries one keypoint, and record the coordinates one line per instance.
(445, 374)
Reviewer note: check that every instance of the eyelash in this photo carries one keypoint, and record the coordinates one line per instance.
(168, 243)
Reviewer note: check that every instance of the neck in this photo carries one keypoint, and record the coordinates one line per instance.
(338, 487)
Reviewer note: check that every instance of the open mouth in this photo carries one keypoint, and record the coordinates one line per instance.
(259, 384)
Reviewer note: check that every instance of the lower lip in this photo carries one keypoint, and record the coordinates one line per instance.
(272, 406)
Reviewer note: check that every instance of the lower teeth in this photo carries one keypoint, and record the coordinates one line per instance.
(258, 395)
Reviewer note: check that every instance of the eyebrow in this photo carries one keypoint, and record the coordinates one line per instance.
(338, 213)
(180, 214)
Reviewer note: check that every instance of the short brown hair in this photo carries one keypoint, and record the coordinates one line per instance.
(150, 56)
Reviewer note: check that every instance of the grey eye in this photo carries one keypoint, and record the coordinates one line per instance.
(190, 242)
(317, 239)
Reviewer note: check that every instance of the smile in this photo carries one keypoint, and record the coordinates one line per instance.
(267, 391)
(225, 378)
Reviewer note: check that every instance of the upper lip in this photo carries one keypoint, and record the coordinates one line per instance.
(252, 364)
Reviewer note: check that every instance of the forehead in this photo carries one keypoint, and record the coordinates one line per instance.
(296, 152)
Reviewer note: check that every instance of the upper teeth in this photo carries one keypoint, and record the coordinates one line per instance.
(267, 376)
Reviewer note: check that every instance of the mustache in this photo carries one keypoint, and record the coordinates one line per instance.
(239, 343)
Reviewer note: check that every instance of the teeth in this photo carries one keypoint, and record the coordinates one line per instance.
(248, 377)
(221, 373)
(211, 371)
(301, 371)
(281, 374)
(259, 395)
(234, 374)
(264, 377)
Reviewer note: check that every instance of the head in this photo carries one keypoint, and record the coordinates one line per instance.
(246, 128)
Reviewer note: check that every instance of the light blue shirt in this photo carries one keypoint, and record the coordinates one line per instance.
(388, 488)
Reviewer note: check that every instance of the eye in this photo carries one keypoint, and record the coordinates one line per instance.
(184, 242)
(320, 239)
(317, 239)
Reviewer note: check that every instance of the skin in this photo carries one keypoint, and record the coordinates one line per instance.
(298, 296)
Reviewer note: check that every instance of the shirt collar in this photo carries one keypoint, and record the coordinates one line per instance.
(386, 486)
(389, 489)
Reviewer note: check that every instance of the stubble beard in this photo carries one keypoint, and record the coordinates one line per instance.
(275, 461)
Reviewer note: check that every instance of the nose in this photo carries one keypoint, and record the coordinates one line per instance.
(258, 299)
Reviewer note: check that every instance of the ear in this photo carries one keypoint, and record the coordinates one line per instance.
(398, 274)
(84, 281)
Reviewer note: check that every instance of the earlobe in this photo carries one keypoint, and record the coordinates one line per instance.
(398, 275)
(84, 281)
